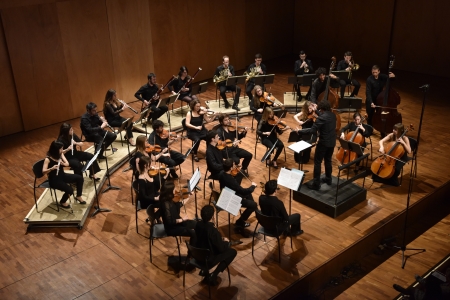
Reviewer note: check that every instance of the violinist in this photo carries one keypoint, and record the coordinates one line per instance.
(395, 136)
(93, 128)
(194, 123)
(177, 86)
(268, 130)
(147, 94)
(307, 115)
(374, 85)
(112, 109)
(347, 64)
(303, 66)
(259, 69)
(221, 85)
(325, 125)
(320, 84)
(161, 137)
(260, 101)
(229, 181)
(214, 156)
(147, 192)
(228, 132)
(70, 142)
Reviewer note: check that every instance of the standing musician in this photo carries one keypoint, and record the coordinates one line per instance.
(162, 137)
(320, 84)
(70, 142)
(268, 130)
(303, 66)
(214, 156)
(229, 181)
(228, 132)
(325, 125)
(256, 69)
(177, 86)
(112, 109)
(147, 94)
(348, 64)
(223, 88)
(93, 128)
(363, 129)
(194, 124)
(260, 101)
(374, 85)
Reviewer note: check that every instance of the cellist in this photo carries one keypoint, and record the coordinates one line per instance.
(374, 86)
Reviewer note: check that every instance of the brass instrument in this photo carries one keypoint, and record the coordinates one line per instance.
(223, 75)
(305, 69)
(354, 67)
(253, 73)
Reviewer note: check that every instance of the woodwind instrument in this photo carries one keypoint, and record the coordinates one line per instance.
(59, 163)
(72, 142)
(161, 89)
(104, 120)
(189, 80)
(126, 105)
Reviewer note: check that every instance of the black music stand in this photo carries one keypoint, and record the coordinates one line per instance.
(126, 124)
(349, 104)
(294, 137)
(143, 115)
(262, 80)
(291, 179)
(170, 101)
(109, 186)
(226, 191)
(303, 80)
(342, 75)
(199, 88)
(268, 153)
(190, 152)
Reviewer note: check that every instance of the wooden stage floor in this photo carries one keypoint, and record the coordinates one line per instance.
(108, 259)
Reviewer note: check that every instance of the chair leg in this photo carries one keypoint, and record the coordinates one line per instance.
(253, 239)
(279, 249)
(229, 277)
(178, 246)
(150, 241)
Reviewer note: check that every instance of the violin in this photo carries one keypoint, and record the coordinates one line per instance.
(224, 144)
(155, 172)
(167, 134)
(384, 165)
(275, 121)
(345, 156)
(235, 170)
(152, 148)
(267, 98)
(181, 195)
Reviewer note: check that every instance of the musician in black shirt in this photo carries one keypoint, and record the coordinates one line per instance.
(319, 85)
(326, 126)
(223, 88)
(260, 69)
(147, 94)
(301, 67)
(347, 64)
(214, 157)
(177, 86)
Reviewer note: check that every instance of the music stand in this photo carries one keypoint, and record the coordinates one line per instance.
(126, 124)
(109, 186)
(228, 201)
(192, 185)
(268, 153)
(262, 80)
(199, 88)
(349, 104)
(143, 115)
(299, 146)
(291, 179)
(190, 152)
(303, 80)
(342, 75)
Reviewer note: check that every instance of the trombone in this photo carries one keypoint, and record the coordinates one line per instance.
(354, 67)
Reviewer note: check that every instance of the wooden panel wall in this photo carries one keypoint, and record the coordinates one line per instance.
(11, 119)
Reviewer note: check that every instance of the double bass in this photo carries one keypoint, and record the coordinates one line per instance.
(331, 97)
(386, 114)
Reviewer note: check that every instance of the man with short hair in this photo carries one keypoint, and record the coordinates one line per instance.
(303, 66)
(147, 94)
(319, 85)
(347, 64)
(260, 69)
(225, 67)
(214, 157)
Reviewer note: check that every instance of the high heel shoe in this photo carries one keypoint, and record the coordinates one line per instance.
(268, 162)
(79, 201)
(274, 165)
(62, 205)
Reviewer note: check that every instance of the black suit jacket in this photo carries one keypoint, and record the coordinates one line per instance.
(272, 206)
(298, 71)
(214, 160)
(326, 126)
(226, 180)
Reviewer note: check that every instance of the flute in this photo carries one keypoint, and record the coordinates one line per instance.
(59, 163)
(126, 105)
(72, 143)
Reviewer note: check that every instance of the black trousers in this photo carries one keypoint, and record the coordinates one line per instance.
(370, 112)
(322, 154)
(61, 183)
(249, 88)
(237, 153)
(250, 206)
(96, 138)
(297, 90)
(77, 158)
(224, 259)
(185, 228)
(175, 159)
(118, 123)
(157, 111)
(195, 136)
(294, 222)
(233, 88)
(354, 82)
(269, 144)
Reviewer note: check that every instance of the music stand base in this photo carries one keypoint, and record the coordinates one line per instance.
(111, 187)
(98, 209)
(405, 257)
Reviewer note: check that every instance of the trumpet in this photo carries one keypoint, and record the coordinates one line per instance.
(126, 105)
(305, 69)
(354, 67)
(253, 73)
(223, 75)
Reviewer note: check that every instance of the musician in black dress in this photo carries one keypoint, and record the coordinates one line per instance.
(258, 68)
(320, 84)
(196, 130)
(112, 108)
(171, 158)
(301, 67)
(260, 102)
(227, 132)
(70, 142)
(221, 85)
(53, 166)
(147, 94)
(374, 85)
(325, 125)
(93, 128)
(268, 134)
(306, 118)
(177, 86)
(148, 194)
(347, 64)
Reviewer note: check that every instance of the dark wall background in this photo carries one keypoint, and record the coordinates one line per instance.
(55, 56)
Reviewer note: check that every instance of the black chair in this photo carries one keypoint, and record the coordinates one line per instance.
(370, 142)
(213, 198)
(258, 141)
(413, 158)
(199, 259)
(157, 231)
(135, 187)
(270, 226)
(206, 177)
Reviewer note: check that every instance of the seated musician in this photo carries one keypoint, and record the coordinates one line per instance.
(161, 137)
(226, 132)
(303, 66)
(112, 109)
(320, 84)
(272, 206)
(260, 101)
(347, 64)
(147, 94)
(363, 129)
(148, 194)
(258, 68)
(93, 128)
(306, 118)
(225, 67)
(214, 156)
(395, 136)
(229, 181)
(177, 86)
(208, 237)
(268, 130)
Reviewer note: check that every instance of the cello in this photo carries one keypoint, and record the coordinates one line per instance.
(331, 97)
(344, 156)
(386, 114)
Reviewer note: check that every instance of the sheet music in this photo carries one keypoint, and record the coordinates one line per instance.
(299, 146)
(229, 201)
(290, 179)
(194, 180)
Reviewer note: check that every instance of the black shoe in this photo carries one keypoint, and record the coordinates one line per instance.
(212, 280)
(297, 233)
(313, 186)
(235, 107)
(101, 157)
(196, 158)
(245, 172)
(242, 224)
(92, 177)
(299, 98)
(202, 273)
(326, 180)
(62, 205)
(227, 104)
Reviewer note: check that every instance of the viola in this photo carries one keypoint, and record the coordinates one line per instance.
(180, 195)
(235, 170)
(152, 148)
(155, 172)
(267, 98)
(384, 165)
(345, 156)
(224, 144)
(275, 121)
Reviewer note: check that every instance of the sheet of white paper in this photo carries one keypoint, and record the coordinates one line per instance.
(299, 146)
(229, 201)
(290, 179)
